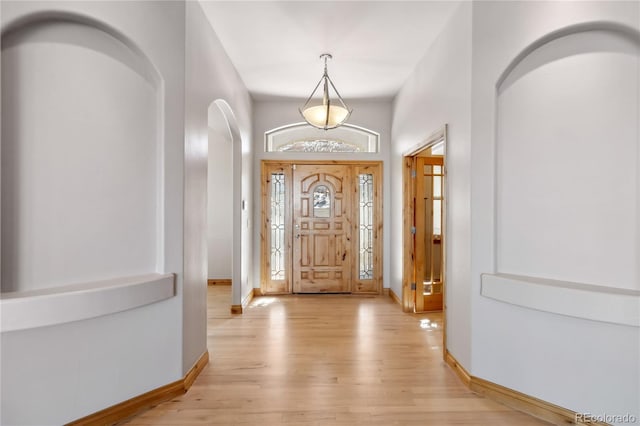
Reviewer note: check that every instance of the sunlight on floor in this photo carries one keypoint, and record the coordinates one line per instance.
(262, 301)
(426, 323)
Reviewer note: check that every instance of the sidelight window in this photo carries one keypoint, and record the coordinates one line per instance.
(365, 186)
(277, 226)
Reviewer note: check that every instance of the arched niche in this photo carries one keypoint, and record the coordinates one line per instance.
(567, 157)
(81, 154)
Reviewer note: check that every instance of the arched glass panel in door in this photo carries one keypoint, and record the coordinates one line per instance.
(321, 201)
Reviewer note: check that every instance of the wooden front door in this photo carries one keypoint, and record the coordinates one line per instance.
(321, 227)
(321, 234)
(428, 201)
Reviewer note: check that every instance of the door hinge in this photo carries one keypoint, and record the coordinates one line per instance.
(413, 286)
(413, 173)
(293, 166)
(413, 230)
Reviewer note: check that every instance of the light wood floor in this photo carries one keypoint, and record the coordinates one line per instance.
(326, 361)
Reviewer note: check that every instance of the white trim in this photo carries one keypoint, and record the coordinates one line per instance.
(22, 310)
(586, 301)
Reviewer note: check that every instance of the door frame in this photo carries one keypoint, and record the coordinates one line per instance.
(269, 287)
(408, 194)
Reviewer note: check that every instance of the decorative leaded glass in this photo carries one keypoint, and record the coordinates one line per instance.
(365, 182)
(277, 226)
(321, 202)
(319, 145)
(301, 137)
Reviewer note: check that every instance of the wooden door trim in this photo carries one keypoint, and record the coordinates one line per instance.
(267, 167)
(408, 193)
(419, 246)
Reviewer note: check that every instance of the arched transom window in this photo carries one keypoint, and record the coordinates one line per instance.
(301, 137)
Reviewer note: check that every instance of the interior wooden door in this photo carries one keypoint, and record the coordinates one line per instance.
(322, 228)
(428, 201)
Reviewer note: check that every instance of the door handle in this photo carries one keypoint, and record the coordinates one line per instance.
(344, 256)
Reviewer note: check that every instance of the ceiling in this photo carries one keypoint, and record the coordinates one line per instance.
(275, 45)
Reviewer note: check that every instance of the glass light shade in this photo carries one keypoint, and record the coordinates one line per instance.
(317, 116)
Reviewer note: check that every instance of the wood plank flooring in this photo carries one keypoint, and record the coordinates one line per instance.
(326, 361)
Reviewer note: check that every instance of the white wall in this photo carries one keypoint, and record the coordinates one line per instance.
(210, 77)
(567, 163)
(126, 194)
(371, 114)
(597, 122)
(439, 92)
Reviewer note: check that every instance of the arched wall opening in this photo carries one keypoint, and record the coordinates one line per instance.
(220, 196)
(225, 208)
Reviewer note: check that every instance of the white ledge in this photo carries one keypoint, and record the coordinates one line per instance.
(22, 310)
(586, 301)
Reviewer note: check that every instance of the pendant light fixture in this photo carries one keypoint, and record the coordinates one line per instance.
(326, 112)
